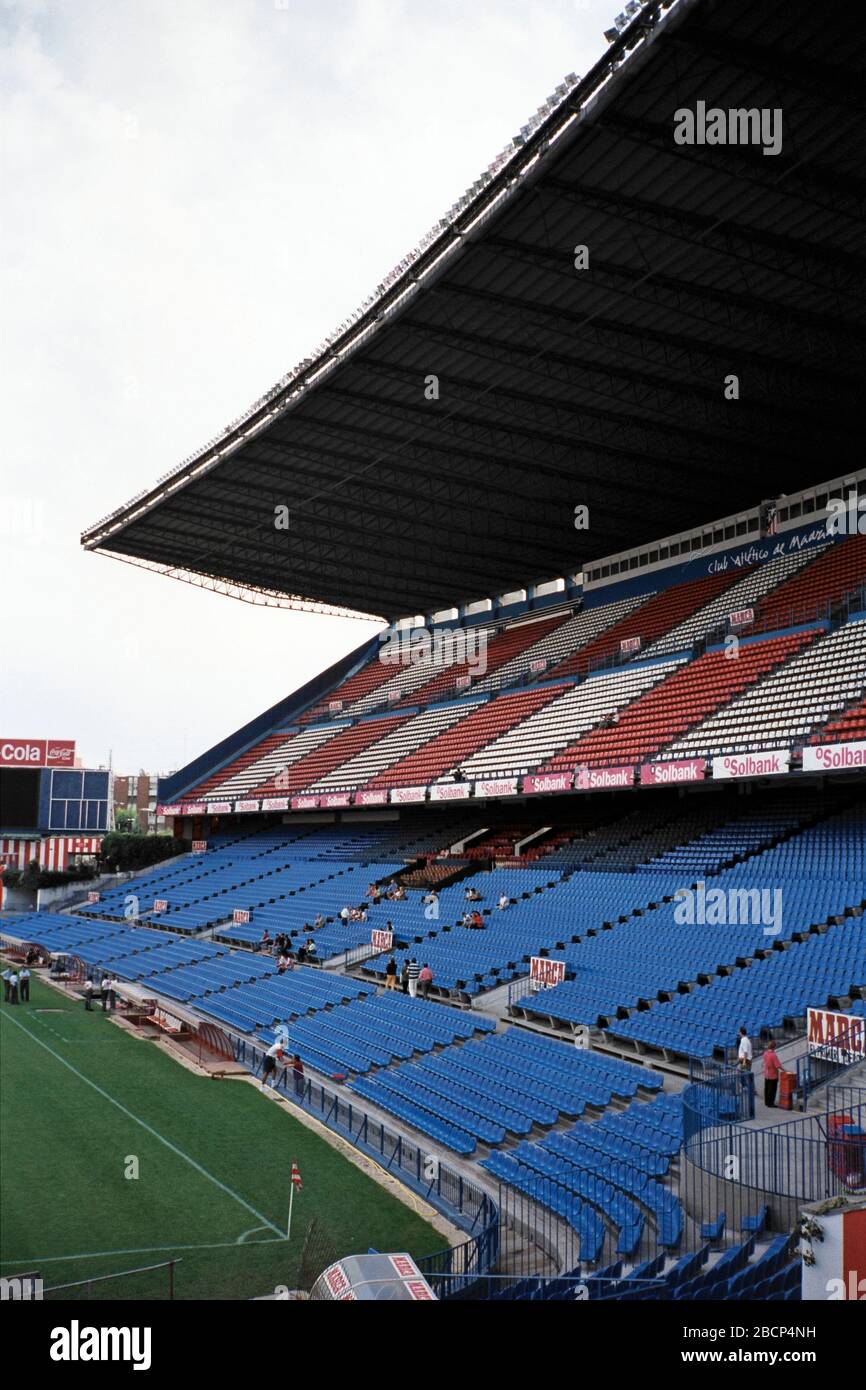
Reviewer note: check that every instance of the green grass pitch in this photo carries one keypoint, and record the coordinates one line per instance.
(81, 1096)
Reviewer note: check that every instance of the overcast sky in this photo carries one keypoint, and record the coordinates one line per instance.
(194, 192)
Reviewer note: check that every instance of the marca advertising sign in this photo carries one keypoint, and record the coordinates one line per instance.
(668, 774)
(382, 940)
(400, 795)
(331, 799)
(199, 846)
(334, 706)
(462, 682)
(413, 1281)
(836, 1037)
(93, 897)
(548, 782)
(240, 806)
(742, 617)
(450, 791)
(595, 779)
(629, 645)
(160, 904)
(539, 664)
(37, 752)
(835, 757)
(275, 803)
(545, 973)
(496, 786)
(752, 764)
(377, 796)
(240, 916)
(338, 1283)
(304, 803)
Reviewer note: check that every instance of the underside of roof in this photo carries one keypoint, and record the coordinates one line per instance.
(606, 386)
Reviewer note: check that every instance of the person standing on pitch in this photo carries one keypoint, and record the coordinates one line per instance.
(413, 972)
(7, 976)
(105, 990)
(88, 995)
(24, 980)
(13, 987)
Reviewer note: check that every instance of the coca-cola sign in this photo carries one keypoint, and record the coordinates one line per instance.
(37, 752)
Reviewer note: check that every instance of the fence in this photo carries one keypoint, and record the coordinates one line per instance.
(732, 1167)
(464, 1203)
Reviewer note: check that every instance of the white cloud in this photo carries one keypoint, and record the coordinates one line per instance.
(195, 192)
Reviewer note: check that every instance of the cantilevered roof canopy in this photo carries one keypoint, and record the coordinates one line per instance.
(558, 386)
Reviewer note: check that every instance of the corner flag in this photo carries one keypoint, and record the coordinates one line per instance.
(296, 1176)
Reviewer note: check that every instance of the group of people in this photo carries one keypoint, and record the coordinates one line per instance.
(275, 1054)
(770, 1061)
(286, 954)
(394, 892)
(472, 919)
(16, 985)
(414, 979)
(108, 990)
(353, 914)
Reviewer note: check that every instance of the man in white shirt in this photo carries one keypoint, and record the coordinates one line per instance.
(105, 988)
(744, 1051)
(269, 1066)
(503, 902)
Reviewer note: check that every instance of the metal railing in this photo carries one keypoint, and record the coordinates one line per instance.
(806, 1159)
(826, 1063)
(464, 1203)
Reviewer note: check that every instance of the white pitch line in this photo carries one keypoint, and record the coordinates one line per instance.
(149, 1128)
(251, 1232)
(139, 1250)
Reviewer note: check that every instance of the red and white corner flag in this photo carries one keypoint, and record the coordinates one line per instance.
(295, 1183)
